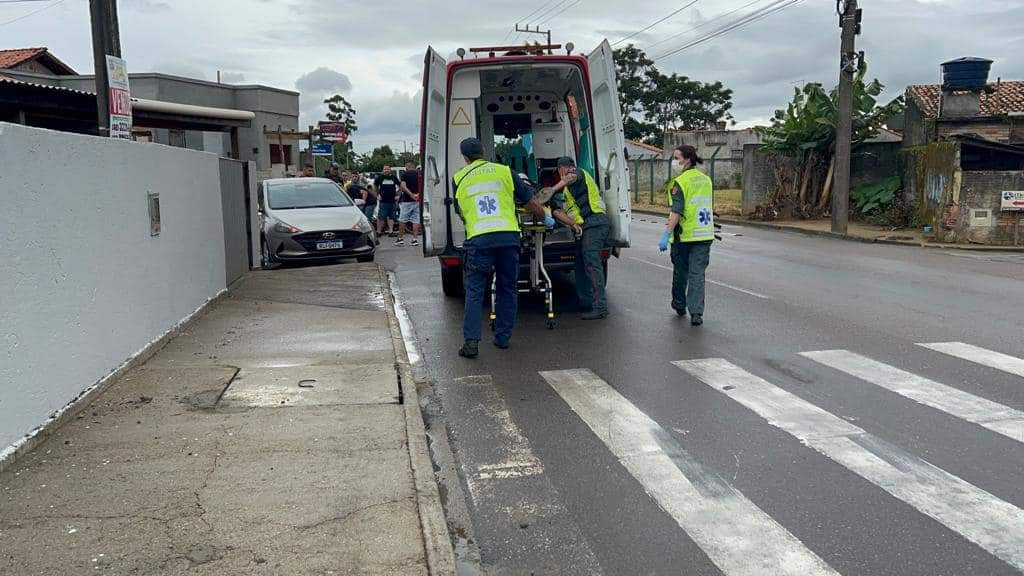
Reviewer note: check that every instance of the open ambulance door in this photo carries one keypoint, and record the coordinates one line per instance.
(610, 157)
(434, 145)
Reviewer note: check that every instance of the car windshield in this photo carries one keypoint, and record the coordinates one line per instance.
(310, 194)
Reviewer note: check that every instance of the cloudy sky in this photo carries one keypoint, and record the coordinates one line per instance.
(372, 52)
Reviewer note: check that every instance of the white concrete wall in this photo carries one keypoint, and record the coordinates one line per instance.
(84, 286)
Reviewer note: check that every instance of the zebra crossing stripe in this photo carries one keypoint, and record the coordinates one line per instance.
(740, 538)
(994, 416)
(979, 355)
(991, 523)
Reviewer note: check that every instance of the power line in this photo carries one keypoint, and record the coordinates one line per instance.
(703, 24)
(570, 5)
(513, 29)
(759, 14)
(655, 23)
(547, 12)
(36, 11)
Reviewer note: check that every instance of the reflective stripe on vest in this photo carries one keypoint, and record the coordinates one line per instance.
(486, 196)
(593, 198)
(698, 223)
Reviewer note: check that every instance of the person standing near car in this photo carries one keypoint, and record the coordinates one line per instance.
(485, 198)
(386, 186)
(331, 173)
(583, 210)
(690, 232)
(409, 206)
(357, 190)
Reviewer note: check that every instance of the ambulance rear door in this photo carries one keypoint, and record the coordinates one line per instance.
(436, 213)
(610, 157)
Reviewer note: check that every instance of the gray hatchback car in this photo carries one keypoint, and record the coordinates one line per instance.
(311, 219)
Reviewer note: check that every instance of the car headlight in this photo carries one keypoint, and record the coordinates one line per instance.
(284, 228)
(363, 225)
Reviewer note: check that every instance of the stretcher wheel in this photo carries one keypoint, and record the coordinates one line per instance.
(551, 324)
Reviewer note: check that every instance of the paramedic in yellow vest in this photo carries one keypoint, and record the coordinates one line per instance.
(583, 210)
(690, 231)
(486, 195)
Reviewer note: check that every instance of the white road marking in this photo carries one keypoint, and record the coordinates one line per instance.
(738, 289)
(740, 538)
(655, 264)
(515, 455)
(978, 516)
(708, 280)
(979, 355)
(992, 415)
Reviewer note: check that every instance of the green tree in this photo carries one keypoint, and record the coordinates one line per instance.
(339, 110)
(805, 132)
(652, 102)
(380, 156)
(679, 103)
(634, 75)
(406, 157)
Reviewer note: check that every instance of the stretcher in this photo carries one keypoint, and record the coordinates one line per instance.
(538, 281)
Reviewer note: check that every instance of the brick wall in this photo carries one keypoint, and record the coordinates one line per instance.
(997, 130)
(980, 219)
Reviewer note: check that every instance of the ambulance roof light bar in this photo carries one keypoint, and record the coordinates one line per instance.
(492, 51)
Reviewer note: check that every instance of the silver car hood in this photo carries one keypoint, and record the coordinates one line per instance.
(315, 219)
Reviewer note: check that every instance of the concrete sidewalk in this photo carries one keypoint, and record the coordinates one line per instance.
(269, 437)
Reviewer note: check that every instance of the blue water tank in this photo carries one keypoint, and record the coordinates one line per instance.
(965, 74)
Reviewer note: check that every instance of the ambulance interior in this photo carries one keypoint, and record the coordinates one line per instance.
(527, 117)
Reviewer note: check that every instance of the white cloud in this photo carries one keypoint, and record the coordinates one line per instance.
(378, 48)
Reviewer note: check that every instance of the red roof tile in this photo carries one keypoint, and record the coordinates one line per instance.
(997, 99)
(11, 58)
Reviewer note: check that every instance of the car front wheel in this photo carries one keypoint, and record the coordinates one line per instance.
(267, 260)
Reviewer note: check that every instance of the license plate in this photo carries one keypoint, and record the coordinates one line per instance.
(333, 245)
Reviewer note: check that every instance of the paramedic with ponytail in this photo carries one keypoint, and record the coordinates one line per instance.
(690, 232)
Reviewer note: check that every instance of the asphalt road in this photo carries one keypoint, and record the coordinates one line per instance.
(586, 450)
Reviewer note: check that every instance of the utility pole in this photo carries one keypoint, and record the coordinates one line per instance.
(536, 30)
(849, 20)
(106, 40)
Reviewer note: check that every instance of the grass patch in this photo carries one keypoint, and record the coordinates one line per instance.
(727, 202)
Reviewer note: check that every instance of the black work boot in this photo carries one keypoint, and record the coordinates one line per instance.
(595, 315)
(696, 320)
(470, 349)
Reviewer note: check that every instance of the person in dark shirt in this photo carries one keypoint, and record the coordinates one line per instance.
(409, 206)
(332, 173)
(386, 186)
(357, 190)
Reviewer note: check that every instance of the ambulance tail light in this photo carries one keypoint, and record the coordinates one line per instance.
(451, 261)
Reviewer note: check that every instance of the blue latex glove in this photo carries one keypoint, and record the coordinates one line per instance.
(663, 243)
(549, 221)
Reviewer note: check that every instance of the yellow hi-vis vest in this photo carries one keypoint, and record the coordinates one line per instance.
(593, 198)
(698, 223)
(486, 196)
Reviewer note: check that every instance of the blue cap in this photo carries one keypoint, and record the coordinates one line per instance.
(471, 147)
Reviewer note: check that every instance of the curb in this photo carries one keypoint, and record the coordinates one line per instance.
(437, 542)
(819, 233)
(829, 234)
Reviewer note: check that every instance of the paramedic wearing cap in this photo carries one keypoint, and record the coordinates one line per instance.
(485, 198)
(583, 208)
